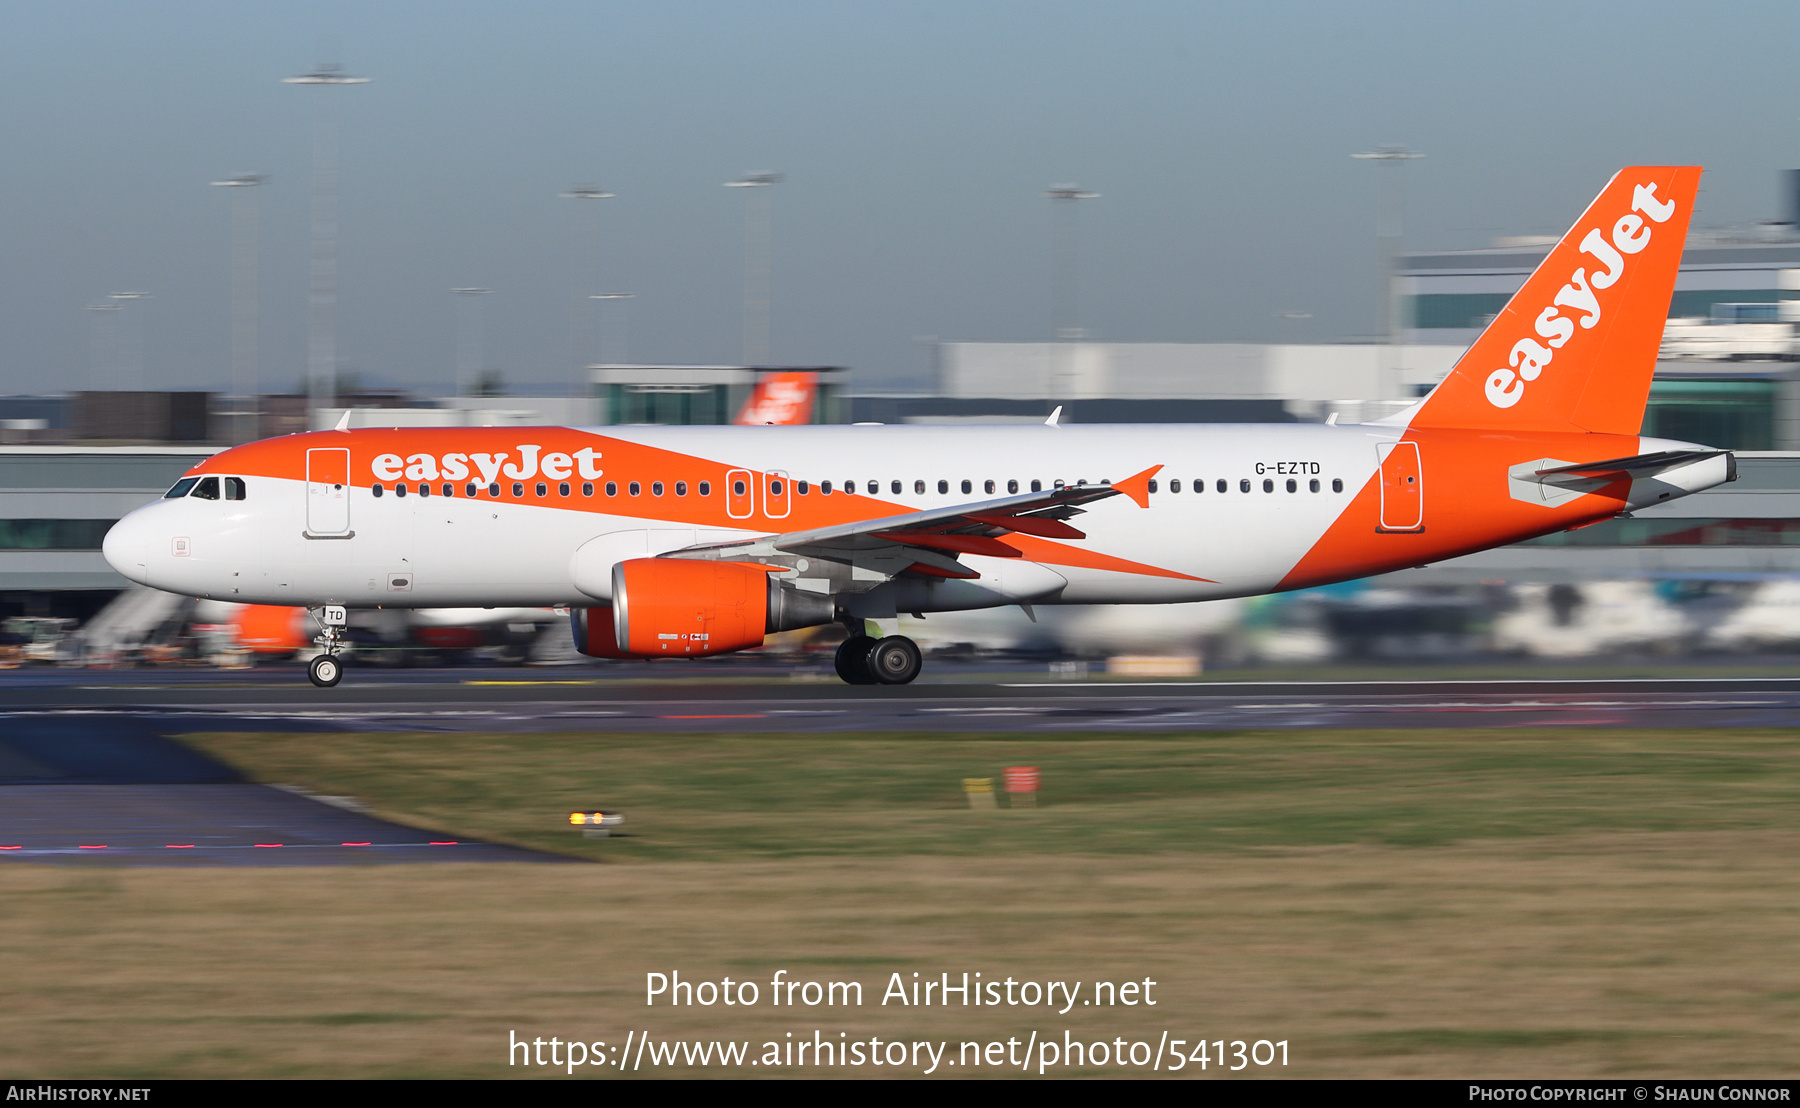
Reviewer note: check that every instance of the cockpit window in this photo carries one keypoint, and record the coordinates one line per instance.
(181, 488)
(234, 488)
(207, 489)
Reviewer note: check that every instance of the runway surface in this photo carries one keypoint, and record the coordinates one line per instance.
(773, 700)
(113, 790)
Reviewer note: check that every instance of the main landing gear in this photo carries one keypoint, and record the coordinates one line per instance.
(891, 660)
(327, 669)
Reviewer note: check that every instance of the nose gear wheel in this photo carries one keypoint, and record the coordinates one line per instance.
(325, 671)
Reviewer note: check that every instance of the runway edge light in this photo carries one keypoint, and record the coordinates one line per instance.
(596, 824)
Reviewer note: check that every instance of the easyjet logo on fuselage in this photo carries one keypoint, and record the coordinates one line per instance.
(1529, 358)
(555, 465)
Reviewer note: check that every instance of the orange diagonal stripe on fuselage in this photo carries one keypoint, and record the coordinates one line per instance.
(1057, 554)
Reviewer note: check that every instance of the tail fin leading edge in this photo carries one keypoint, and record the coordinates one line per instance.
(1575, 348)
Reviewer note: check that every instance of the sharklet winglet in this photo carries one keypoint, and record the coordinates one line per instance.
(1137, 486)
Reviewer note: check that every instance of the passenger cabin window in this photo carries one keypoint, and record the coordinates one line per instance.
(681, 488)
(449, 490)
(612, 488)
(1037, 485)
(234, 488)
(1012, 486)
(799, 487)
(896, 487)
(376, 488)
(469, 489)
(706, 488)
(399, 489)
(562, 488)
(1337, 484)
(1222, 486)
(181, 488)
(824, 488)
(943, 487)
(518, 488)
(587, 488)
(1153, 485)
(424, 489)
(987, 487)
(207, 489)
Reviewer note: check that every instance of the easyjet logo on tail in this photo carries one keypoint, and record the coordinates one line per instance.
(1529, 358)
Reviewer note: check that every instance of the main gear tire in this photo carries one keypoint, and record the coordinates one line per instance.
(853, 660)
(895, 660)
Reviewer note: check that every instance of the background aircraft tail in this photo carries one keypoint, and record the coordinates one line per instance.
(784, 399)
(1575, 348)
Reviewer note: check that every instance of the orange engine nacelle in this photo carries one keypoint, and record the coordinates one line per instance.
(676, 607)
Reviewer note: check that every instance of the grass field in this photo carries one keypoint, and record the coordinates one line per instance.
(1505, 903)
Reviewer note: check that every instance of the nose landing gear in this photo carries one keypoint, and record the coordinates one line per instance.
(891, 660)
(327, 670)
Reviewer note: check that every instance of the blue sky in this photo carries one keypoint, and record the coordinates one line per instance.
(916, 139)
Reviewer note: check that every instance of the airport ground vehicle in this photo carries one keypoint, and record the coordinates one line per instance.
(687, 541)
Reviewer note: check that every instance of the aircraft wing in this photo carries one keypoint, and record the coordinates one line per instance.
(928, 542)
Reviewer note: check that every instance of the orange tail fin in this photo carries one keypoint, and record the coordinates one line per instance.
(1576, 347)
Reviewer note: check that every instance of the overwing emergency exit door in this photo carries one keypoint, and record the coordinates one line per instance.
(1402, 487)
(775, 494)
(328, 492)
(740, 493)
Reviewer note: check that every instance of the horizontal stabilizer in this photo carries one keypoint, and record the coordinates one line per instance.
(1640, 465)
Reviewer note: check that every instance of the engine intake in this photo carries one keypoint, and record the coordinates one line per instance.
(678, 607)
(593, 629)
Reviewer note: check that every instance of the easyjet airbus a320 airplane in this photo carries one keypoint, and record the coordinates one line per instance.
(685, 541)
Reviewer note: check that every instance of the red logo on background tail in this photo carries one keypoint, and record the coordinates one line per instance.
(784, 399)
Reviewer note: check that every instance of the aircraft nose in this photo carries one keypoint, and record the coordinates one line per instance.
(127, 547)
